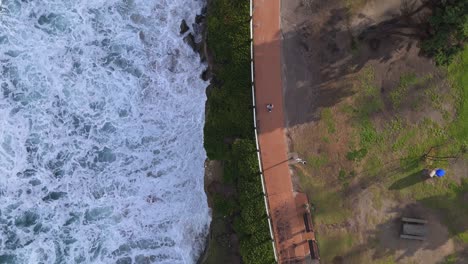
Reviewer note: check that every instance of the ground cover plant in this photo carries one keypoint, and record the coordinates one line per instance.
(387, 154)
(400, 113)
(229, 136)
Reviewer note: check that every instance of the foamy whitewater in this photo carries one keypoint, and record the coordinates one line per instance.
(101, 122)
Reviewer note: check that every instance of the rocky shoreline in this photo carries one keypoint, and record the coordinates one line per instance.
(197, 41)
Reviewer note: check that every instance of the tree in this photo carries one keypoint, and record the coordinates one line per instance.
(448, 30)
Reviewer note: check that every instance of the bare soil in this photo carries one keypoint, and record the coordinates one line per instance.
(326, 46)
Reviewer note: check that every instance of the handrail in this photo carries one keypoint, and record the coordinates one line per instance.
(256, 134)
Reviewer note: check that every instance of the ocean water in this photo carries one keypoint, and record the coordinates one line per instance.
(101, 122)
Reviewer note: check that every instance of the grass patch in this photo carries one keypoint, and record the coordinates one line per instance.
(458, 76)
(451, 259)
(377, 198)
(435, 97)
(408, 142)
(356, 155)
(342, 175)
(317, 161)
(329, 202)
(395, 126)
(367, 81)
(397, 95)
(373, 165)
(463, 237)
(354, 5)
(345, 178)
(327, 117)
(334, 245)
(403, 139)
(368, 134)
(401, 91)
(347, 109)
(393, 159)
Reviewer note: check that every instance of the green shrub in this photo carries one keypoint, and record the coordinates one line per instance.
(223, 206)
(228, 131)
(229, 113)
(251, 224)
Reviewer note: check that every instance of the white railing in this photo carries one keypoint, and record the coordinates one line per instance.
(256, 132)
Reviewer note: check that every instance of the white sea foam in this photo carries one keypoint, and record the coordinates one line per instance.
(101, 120)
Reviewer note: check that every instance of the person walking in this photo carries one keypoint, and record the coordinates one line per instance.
(299, 160)
(269, 107)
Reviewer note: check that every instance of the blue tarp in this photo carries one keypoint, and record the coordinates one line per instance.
(440, 173)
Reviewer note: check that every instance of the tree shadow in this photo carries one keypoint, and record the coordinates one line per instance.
(323, 52)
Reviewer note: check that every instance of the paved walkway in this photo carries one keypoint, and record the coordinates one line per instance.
(286, 215)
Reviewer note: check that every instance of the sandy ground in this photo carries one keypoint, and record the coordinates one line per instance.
(320, 58)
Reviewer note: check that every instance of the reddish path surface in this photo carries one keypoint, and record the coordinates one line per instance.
(286, 214)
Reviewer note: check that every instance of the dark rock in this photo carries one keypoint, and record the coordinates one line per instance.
(208, 90)
(206, 75)
(202, 51)
(199, 19)
(141, 35)
(183, 27)
(190, 40)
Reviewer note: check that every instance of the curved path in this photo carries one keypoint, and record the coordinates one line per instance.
(286, 211)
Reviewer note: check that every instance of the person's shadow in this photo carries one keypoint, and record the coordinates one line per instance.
(409, 180)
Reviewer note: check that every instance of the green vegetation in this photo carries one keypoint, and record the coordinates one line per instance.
(463, 237)
(345, 178)
(409, 144)
(369, 100)
(327, 117)
(459, 78)
(335, 245)
(356, 155)
(317, 161)
(229, 131)
(224, 207)
(449, 25)
(451, 259)
(406, 81)
(330, 208)
(229, 115)
(251, 223)
(390, 150)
